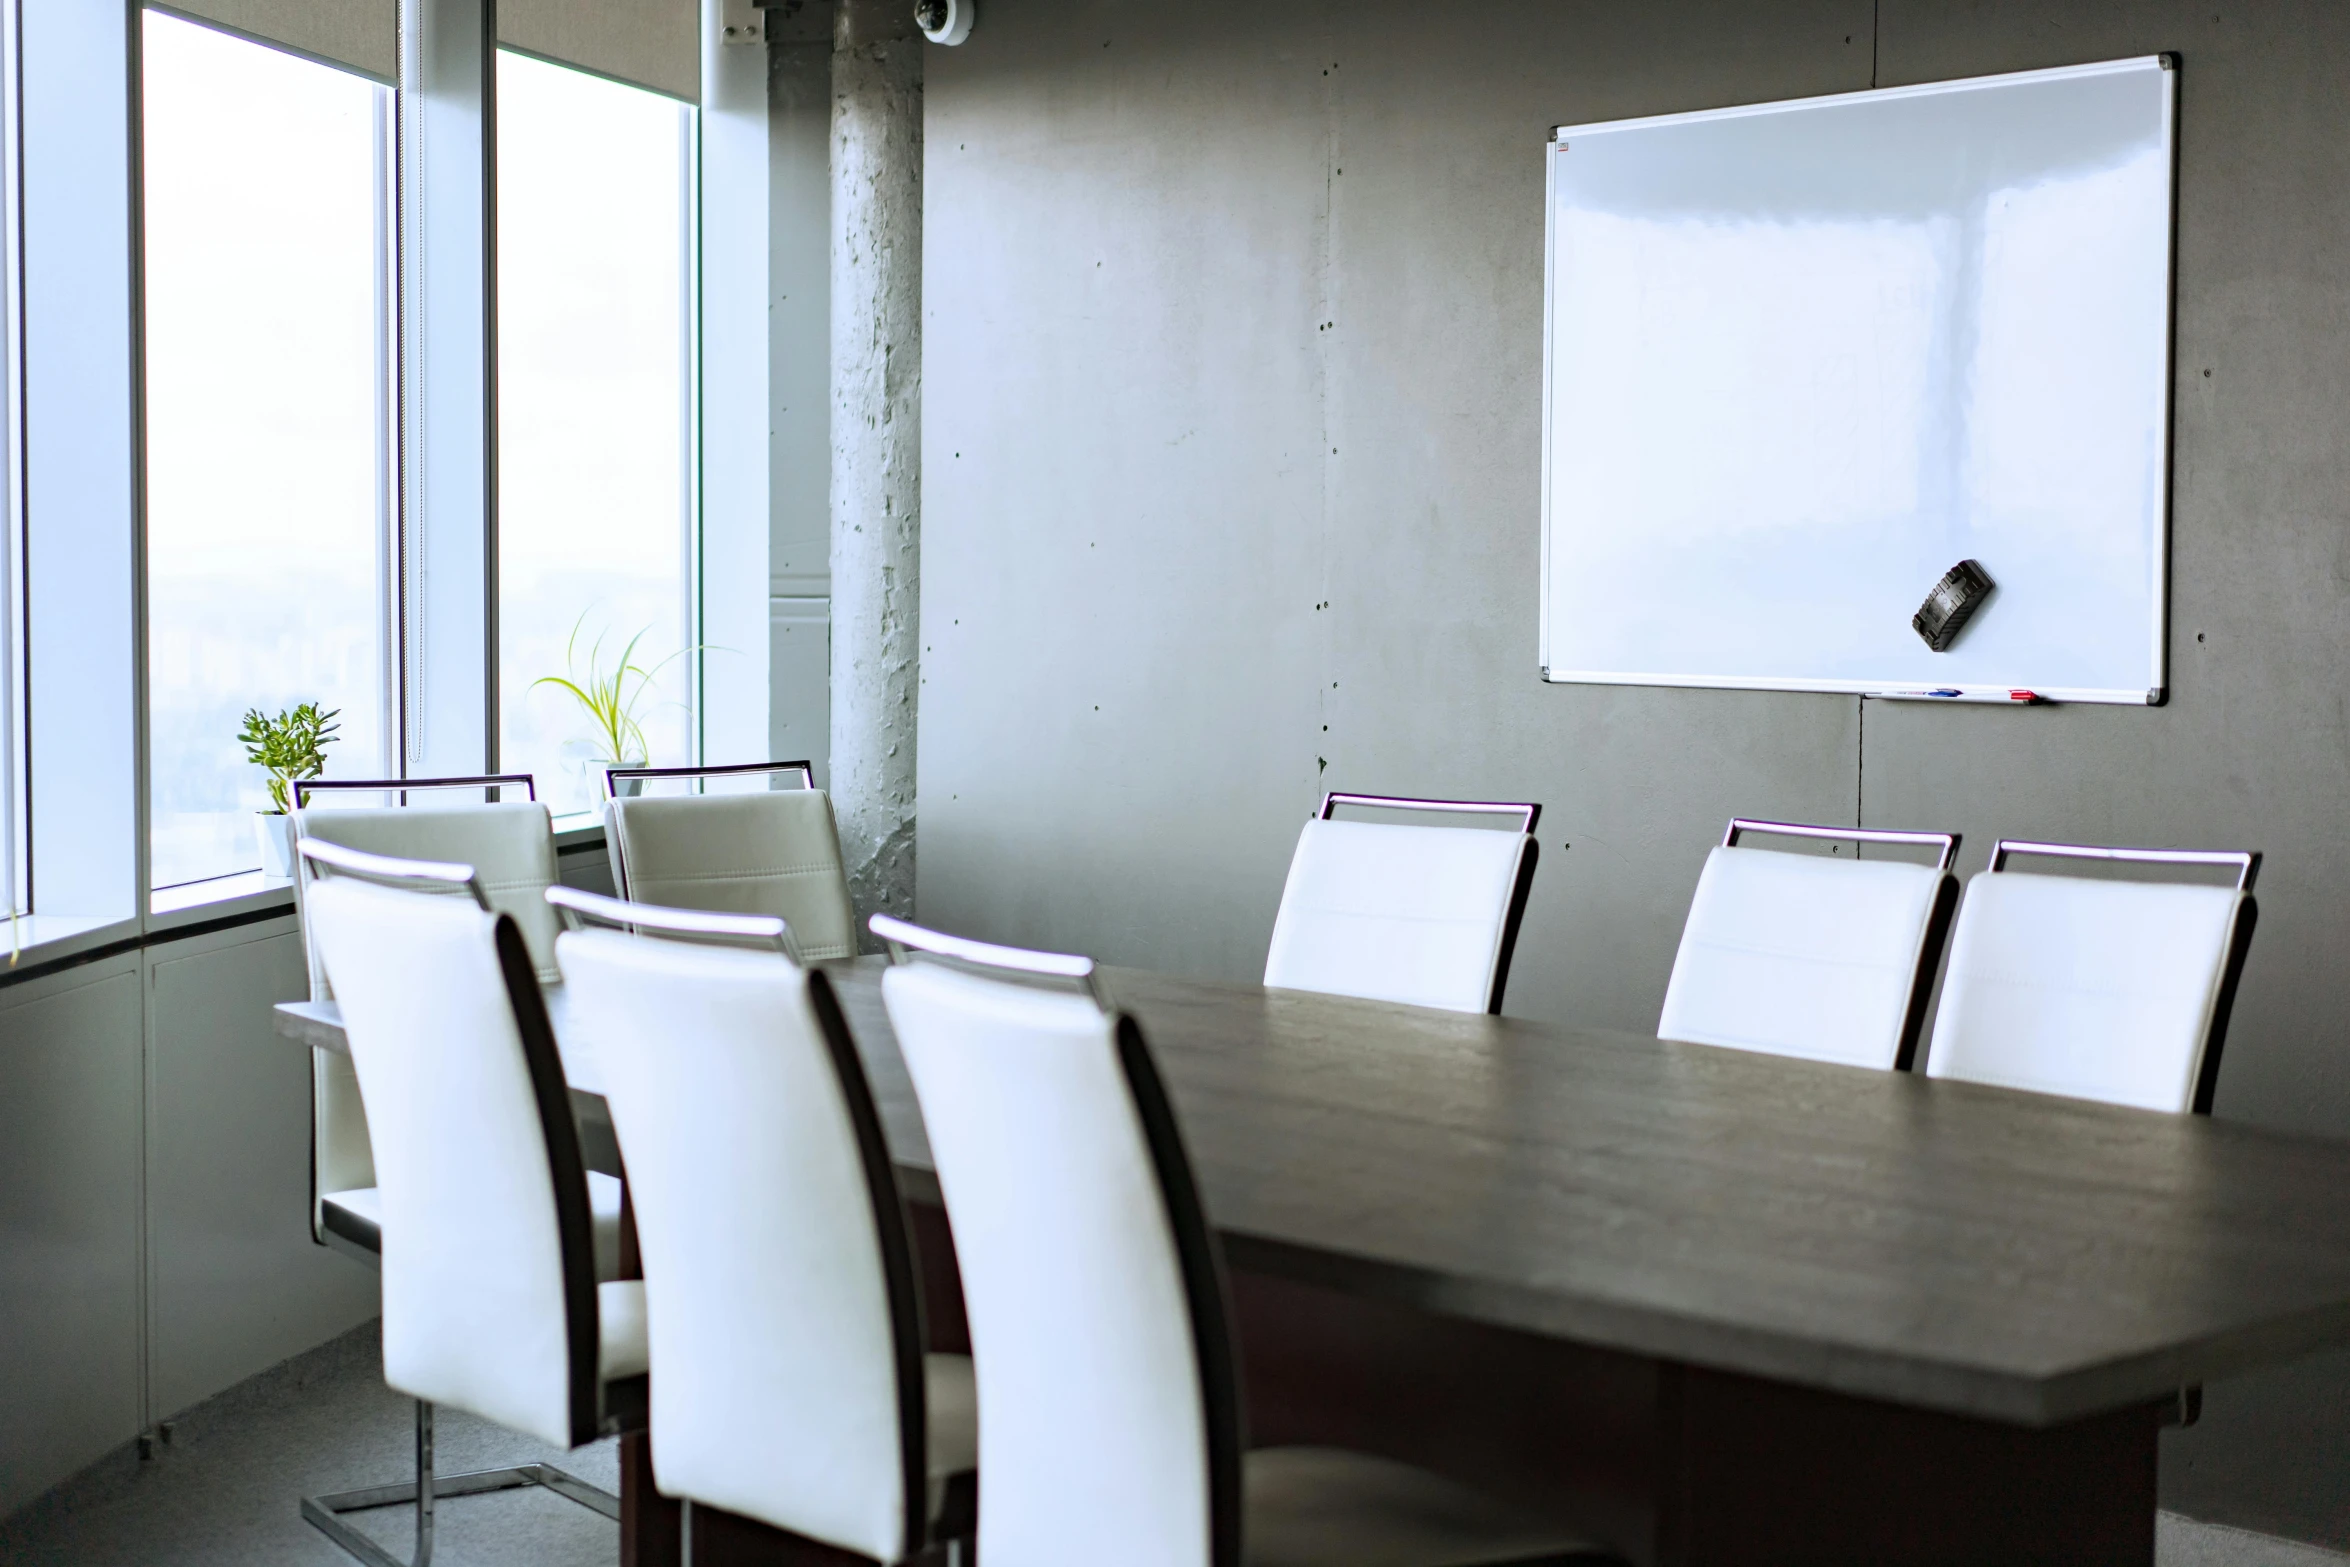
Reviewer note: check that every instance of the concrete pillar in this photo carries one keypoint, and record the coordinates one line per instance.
(876, 442)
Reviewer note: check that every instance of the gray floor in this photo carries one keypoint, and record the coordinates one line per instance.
(224, 1490)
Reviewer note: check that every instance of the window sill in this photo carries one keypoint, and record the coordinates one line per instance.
(43, 938)
(218, 896)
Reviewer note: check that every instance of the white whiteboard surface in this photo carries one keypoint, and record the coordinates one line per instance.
(1802, 358)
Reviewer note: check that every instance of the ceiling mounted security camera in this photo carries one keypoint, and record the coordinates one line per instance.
(945, 21)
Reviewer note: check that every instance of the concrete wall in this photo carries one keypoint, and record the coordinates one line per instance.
(1231, 344)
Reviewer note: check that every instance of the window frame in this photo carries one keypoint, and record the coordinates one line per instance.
(15, 814)
(691, 435)
(386, 710)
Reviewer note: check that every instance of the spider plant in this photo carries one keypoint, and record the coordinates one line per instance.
(608, 696)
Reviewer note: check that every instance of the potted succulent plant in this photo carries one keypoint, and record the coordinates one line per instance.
(290, 747)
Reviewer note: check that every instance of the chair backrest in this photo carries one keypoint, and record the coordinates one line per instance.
(1830, 959)
(2118, 991)
(489, 1297)
(775, 852)
(509, 844)
(781, 1308)
(1109, 1416)
(1427, 915)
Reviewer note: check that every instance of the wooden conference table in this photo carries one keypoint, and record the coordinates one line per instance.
(1720, 1307)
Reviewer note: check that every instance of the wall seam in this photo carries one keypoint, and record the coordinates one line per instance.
(1325, 327)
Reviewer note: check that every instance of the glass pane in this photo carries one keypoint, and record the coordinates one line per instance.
(264, 326)
(592, 478)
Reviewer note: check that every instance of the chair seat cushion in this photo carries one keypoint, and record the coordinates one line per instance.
(620, 1315)
(604, 1194)
(951, 1402)
(1329, 1507)
(951, 1399)
(357, 1216)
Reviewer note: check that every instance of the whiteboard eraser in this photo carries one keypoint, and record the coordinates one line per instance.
(1951, 604)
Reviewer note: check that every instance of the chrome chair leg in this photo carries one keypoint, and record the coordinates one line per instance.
(324, 1512)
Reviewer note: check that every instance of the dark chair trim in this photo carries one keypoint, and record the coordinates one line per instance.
(2239, 947)
(1201, 1259)
(1510, 922)
(567, 1172)
(1921, 983)
(350, 1228)
(897, 1257)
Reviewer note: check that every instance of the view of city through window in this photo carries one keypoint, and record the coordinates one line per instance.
(594, 544)
(265, 333)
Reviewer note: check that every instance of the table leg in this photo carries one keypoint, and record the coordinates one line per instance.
(1754, 1472)
(1675, 1466)
(649, 1527)
(1554, 1426)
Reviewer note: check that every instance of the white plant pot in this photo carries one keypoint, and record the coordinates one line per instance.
(586, 766)
(274, 830)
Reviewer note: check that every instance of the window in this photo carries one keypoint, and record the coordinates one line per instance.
(15, 829)
(267, 424)
(595, 499)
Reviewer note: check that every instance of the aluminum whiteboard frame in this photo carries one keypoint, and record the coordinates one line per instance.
(2157, 689)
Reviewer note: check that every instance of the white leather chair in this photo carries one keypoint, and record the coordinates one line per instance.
(511, 847)
(1426, 915)
(1110, 1418)
(490, 1301)
(509, 843)
(771, 852)
(1829, 959)
(790, 1384)
(2109, 990)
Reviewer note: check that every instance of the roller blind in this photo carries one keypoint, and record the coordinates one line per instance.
(361, 34)
(650, 43)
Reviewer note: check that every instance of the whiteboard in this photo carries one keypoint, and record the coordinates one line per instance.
(1802, 358)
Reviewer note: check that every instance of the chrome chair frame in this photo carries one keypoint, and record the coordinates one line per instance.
(806, 770)
(578, 909)
(1532, 814)
(305, 787)
(324, 1512)
(898, 935)
(1938, 923)
(1948, 841)
(2246, 863)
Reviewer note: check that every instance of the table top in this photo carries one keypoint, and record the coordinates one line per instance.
(1878, 1234)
